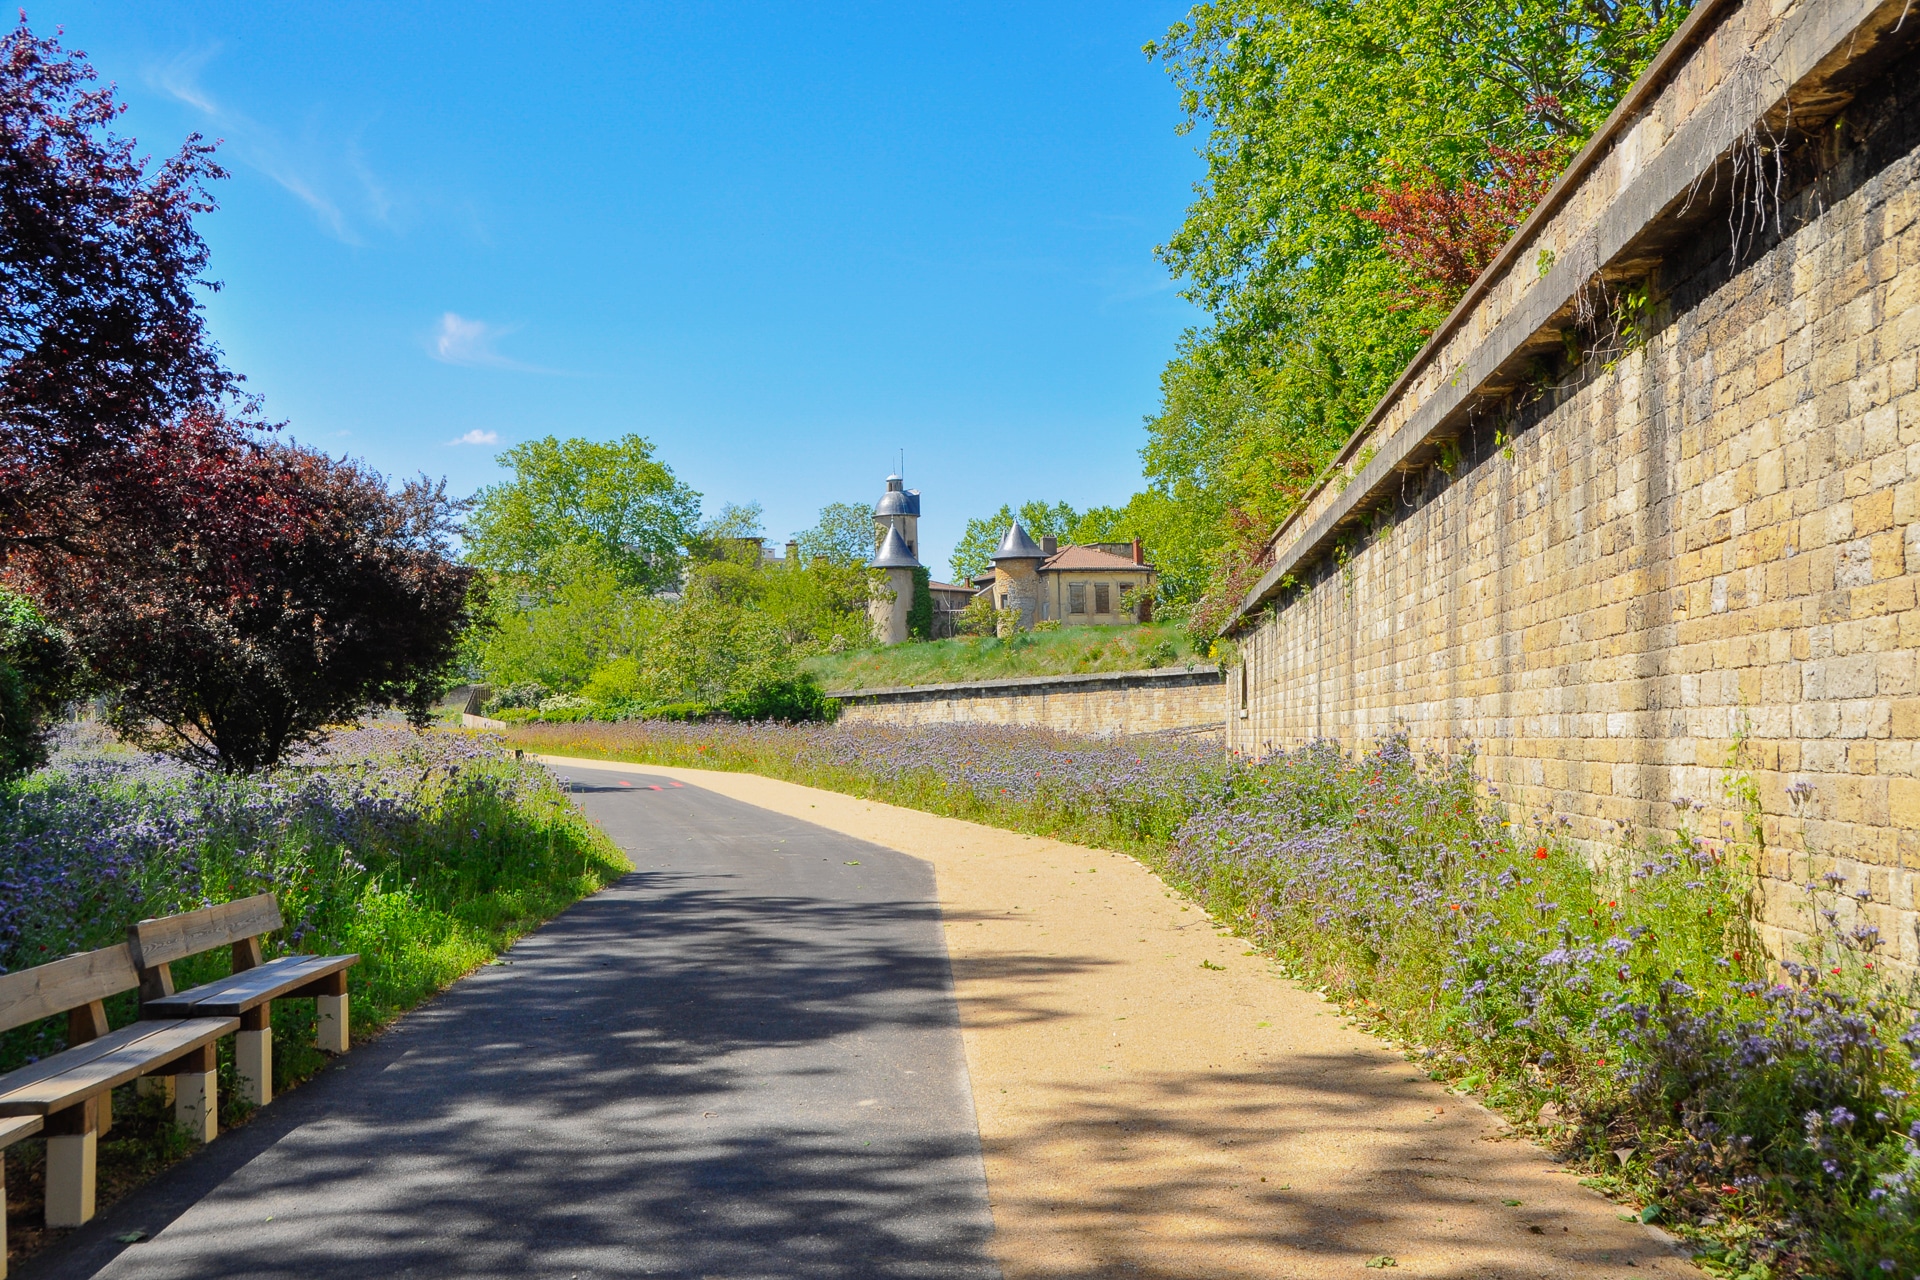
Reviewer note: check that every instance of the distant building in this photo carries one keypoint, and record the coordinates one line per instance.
(896, 552)
(1107, 584)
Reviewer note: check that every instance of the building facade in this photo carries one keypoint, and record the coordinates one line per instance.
(1106, 584)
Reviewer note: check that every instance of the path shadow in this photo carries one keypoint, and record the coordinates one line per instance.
(736, 1062)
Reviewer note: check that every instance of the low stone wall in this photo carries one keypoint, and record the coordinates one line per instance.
(1104, 702)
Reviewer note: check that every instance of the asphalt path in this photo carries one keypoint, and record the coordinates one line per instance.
(743, 1060)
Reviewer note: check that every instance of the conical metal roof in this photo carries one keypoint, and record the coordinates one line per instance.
(893, 553)
(1018, 546)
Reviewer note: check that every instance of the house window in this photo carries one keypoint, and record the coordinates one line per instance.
(1102, 598)
(1076, 597)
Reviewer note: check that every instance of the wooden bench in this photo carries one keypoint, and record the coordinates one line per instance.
(248, 994)
(69, 1094)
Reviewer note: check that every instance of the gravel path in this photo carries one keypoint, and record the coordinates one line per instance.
(1144, 1115)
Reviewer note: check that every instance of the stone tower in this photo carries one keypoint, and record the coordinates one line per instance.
(889, 615)
(1017, 575)
(899, 510)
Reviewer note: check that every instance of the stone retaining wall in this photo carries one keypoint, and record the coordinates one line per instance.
(1645, 518)
(1111, 702)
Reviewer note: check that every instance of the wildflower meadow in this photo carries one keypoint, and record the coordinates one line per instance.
(1617, 1004)
(426, 853)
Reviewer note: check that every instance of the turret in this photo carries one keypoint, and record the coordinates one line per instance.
(888, 610)
(1017, 573)
(899, 510)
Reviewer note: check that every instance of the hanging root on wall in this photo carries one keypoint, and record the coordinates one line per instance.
(1756, 162)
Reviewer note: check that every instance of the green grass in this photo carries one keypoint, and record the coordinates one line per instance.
(427, 854)
(1029, 653)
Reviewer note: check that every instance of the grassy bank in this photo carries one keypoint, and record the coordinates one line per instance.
(1028, 653)
(1620, 1009)
(425, 853)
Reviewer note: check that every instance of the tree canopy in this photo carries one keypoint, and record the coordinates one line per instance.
(228, 642)
(1364, 160)
(843, 535)
(101, 333)
(578, 503)
(230, 593)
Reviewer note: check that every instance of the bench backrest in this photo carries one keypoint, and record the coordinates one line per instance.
(159, 942)
(76, 984)
(72, 983)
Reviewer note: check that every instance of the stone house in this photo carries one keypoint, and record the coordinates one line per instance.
(1106, 584)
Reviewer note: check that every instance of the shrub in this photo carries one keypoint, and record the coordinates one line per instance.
(38, 675)
(789, 699)
(299, 593)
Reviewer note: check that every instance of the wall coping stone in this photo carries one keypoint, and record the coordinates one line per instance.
(1077, 681)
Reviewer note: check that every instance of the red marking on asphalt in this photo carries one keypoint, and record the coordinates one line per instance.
(676, 784)
(626, 784)
(653, 788)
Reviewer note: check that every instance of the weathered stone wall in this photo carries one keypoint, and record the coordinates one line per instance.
(1697, 547)
(1122, 702)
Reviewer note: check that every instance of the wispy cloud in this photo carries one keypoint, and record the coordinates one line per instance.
(471, 343)
(477, 436)
(326, 173)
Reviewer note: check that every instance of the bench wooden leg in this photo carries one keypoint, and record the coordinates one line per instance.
(196, 1096)
(253, 1055)
(331, 1015)
(72, 1152)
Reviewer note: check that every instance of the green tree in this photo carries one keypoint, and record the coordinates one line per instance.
(558, 641)
(38, 676)
(814, 603)
(574, 504)
(973, 554)
(1316, 117)
(844, 535)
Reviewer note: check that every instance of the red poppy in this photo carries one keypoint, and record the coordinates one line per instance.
(1541, 852)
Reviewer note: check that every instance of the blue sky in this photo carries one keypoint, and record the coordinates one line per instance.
(781, 241)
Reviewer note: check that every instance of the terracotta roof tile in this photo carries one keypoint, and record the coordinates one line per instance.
(1089, 558)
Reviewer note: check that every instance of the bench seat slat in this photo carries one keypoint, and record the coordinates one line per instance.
(98, 1065)
(248, 989)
